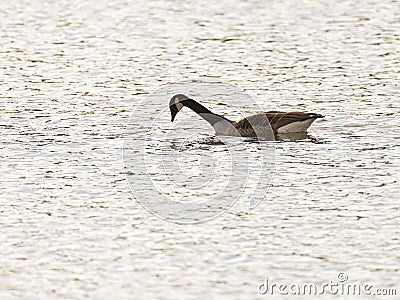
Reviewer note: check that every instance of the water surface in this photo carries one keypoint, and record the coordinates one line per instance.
(72, 74)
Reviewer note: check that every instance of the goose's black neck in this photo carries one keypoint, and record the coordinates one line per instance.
(203, 112)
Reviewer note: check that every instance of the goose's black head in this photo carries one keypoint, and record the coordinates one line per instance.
(175, 104)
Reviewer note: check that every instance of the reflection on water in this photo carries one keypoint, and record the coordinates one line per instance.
(298, 136)
(72, 73)
(200, 143)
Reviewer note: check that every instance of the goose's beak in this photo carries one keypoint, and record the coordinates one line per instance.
(174, 111)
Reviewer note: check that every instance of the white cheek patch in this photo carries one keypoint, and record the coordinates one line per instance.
(178, 105)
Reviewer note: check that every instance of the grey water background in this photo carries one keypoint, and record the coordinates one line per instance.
(72, 73)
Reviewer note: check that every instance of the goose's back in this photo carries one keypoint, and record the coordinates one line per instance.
(275, 119)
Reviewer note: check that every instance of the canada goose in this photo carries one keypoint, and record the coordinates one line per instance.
(279, 122)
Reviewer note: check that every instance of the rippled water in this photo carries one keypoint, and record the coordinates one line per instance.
(74, 72)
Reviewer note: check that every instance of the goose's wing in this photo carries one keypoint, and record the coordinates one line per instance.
(253, 120)
(276, 119)
(280, 119)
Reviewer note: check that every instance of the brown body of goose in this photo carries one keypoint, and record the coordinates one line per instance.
(278, 122)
